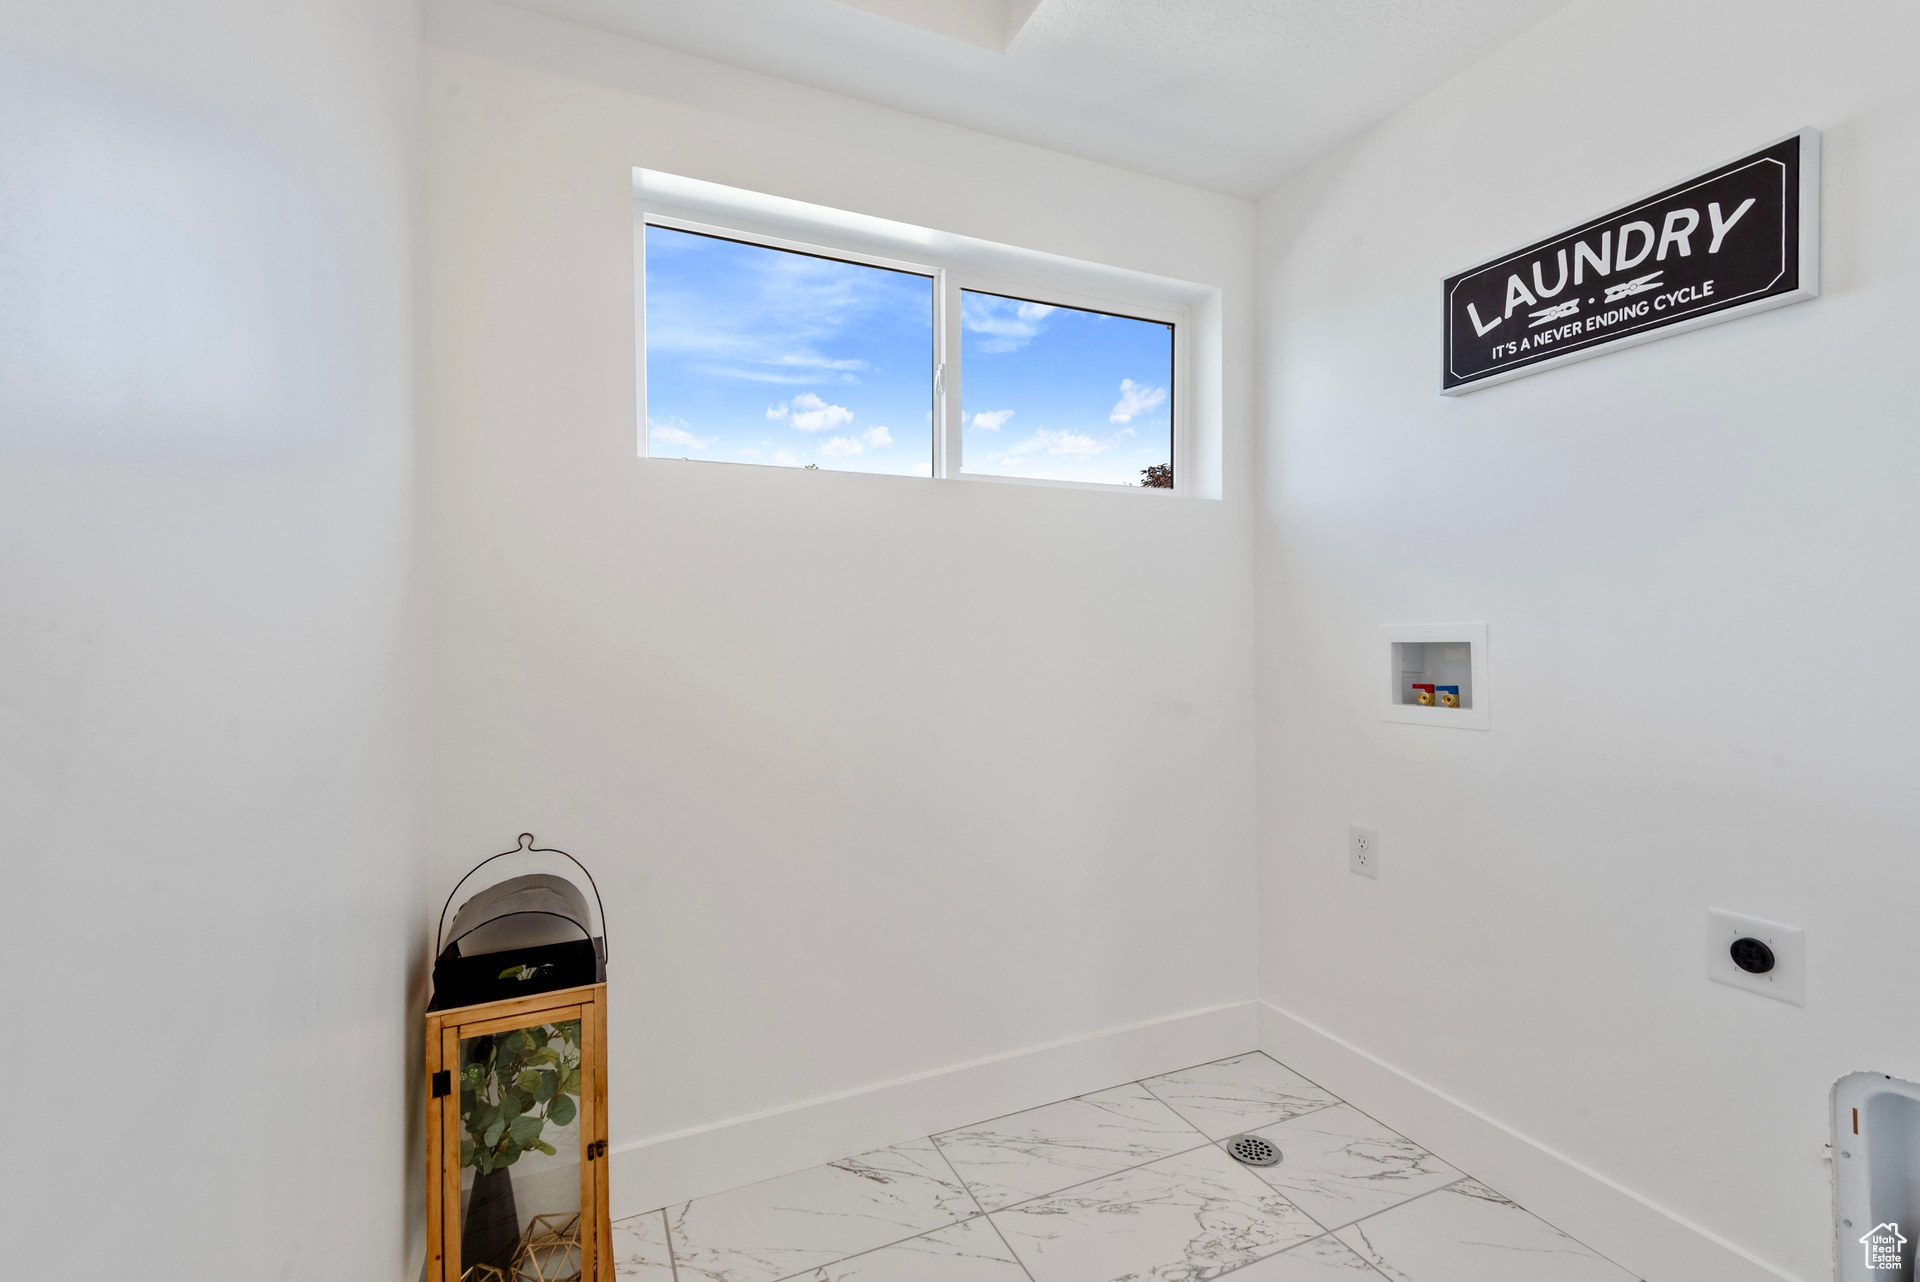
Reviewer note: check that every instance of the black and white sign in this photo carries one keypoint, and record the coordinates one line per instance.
(1739, 239)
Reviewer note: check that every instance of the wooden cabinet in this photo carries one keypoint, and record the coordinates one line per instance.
(517, 1140)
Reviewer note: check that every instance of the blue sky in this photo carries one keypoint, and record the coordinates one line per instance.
(1062, 394)
(758, 355)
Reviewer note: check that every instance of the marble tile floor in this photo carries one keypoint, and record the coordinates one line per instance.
(1122, 1185)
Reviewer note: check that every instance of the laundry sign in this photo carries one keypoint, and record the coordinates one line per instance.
(1737, 239)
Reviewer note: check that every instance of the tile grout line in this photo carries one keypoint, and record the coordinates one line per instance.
(1095, 1179)
(1317, 1108)
(1370, 1117)
(673, 1256)
(1429, 1193)
(1266, 1188)
(957, 1177)
(1465, 1174)
(1170, 1108)
(1335, 1101)
(1465, 1179)
(1363, 1259)
(1207, 1141)
(1017, 1259)
(1333, 1231)
(1258, 1179)
(666, 1235)
(1335, 1228)
(1295, 1247)
(673, 1260)
(911, 1237)
(1141, 1082)
(1164, 1157)
(1068, 1099)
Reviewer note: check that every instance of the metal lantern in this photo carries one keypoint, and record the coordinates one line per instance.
(516, 1051)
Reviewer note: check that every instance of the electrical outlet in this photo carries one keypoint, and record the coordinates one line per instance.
(1781, 975)
(1363, 851)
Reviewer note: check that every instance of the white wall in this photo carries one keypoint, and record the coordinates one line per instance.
(213, 849)
(880, 776)
(1696, 559)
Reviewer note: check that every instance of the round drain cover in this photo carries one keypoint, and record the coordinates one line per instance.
(1252, 1150)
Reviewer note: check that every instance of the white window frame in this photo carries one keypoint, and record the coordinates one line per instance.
(950, 444)
(949, 279)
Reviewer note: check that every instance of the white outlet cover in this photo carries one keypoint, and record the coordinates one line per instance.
(1363, 851)
(1786, 982)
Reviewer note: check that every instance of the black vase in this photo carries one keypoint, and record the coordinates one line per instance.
(491, 1232)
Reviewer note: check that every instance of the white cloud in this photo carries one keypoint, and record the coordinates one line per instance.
(808, 413)
(761, 315)
(923, 468)
(841, 447)
(1135, 398)
(813, 360)
(878, 437)
(785, 458)
(1077, 446)
(1008, 323)
(762, 376)
(748, 452)
(991, 420)
(1063, 442)
(673, 431)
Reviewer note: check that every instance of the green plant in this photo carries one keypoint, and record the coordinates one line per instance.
(525, 973)
(511, 1086)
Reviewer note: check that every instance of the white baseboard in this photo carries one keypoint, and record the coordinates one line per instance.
(673, 1168)
(1635, 1233)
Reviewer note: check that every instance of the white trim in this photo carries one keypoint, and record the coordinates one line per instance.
(1633, 1231)
(644, 218)
(748, 210)
(724, 232)
(668, 1169)
(954, 263)
(1179, 318)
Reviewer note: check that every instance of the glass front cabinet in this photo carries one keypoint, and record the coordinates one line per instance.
(517, 1140)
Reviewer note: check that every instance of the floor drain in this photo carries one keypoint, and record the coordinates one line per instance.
(1252, 1150)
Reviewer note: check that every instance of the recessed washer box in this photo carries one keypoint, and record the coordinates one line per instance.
(1446, 663)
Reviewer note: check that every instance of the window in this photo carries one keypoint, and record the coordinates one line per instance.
(763, 355)
(1060, 393)
(760, 349)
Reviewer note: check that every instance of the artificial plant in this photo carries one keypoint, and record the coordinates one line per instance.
(511, 1086)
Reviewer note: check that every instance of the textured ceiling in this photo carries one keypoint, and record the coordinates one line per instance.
(1233, 95)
